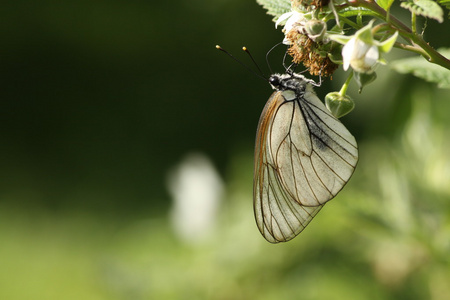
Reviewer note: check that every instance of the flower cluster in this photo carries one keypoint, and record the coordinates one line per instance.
(313, 45)
(306, 39)
(321, 50)
(362, 32)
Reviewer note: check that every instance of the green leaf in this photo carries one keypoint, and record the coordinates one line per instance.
(356, 11)
(446, 4)
(425, 8)
(275, 8)
(419, 67)
(385, 4)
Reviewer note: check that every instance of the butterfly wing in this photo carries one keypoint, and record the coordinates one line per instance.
(303, 158)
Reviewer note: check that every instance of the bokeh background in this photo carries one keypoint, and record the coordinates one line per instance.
(126, 160)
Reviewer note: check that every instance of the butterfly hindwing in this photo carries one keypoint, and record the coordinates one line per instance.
(303, 158)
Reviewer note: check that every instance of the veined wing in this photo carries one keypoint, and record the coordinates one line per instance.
(303, 158)
(279, 216)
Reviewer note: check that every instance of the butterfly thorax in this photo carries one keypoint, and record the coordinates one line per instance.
(291, 82)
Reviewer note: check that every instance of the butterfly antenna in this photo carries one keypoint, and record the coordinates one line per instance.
(254, 62)
(284, 62)
(241, 63)
(267, 55)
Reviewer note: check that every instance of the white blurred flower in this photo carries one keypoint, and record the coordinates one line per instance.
(360, 55)
(197, 189)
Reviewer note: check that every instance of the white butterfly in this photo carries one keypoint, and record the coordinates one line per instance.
(303, 157)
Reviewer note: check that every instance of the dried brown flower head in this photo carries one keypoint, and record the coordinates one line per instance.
(308, 52)
(315, 4)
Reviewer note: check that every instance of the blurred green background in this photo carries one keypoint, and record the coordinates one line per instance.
(126, 162)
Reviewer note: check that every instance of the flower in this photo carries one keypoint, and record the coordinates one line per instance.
(197, 191)
(308, 41)
(360, 55)
(361, 51)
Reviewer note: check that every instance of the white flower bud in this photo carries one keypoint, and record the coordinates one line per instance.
(361, 56)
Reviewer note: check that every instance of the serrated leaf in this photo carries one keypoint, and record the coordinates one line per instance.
(385, 4)
(419, 67)
(425, 8)
(275, 8)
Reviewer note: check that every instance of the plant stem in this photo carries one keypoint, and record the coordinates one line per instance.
(344, 88)
(414, 49)
(350, 22)
(413, 23)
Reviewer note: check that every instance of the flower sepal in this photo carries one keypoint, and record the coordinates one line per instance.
(387, 45)
(363, 79)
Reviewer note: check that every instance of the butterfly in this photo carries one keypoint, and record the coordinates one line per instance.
(303, 157)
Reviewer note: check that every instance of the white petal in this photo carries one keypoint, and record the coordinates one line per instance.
(360, 49)
(283, 17)
(294, 19)
(372, 56)
(347, 53)
(365, 63)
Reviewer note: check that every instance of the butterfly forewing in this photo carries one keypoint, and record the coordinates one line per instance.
(303, 158)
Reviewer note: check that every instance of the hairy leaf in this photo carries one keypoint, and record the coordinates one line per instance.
(425, 70)
(425, 8)
(275, 8)
(385, 4)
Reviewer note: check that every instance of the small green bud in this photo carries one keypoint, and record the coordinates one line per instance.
(339, 105)
(316, 30)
